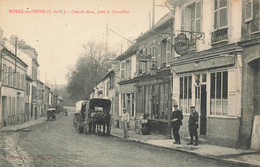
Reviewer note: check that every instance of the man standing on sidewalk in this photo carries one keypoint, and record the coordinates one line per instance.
(176, 122)
(193, 125)
(125, 120)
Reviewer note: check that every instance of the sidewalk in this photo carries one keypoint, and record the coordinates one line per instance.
(17, 127)
(225, 154)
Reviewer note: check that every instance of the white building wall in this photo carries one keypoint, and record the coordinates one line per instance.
(207, 26)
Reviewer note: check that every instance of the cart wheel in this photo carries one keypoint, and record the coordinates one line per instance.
(76, 122)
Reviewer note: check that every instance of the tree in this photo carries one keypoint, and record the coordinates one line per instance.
(90, 67)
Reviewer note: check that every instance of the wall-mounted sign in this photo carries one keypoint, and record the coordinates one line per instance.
(181, 44)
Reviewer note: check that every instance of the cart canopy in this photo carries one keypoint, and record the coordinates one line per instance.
(98, 104)
(79, 104)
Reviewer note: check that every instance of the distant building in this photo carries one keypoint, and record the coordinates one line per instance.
(12, 88)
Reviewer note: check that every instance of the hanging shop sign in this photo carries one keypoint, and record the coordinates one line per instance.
(181, 44)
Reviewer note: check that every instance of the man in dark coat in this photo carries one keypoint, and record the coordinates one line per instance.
(193, 126)
(176, 122)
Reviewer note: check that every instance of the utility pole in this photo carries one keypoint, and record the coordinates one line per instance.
(153, 14)
(106, 37)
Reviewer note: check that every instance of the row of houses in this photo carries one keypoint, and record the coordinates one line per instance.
(23, 97)
(202, 53)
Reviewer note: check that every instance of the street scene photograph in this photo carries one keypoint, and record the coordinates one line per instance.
(125, 83)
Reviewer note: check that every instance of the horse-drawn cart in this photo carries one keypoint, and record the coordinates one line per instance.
(93, 116)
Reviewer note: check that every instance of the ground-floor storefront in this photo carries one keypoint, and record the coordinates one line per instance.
(153, 100)
(211, 81)
(127, 101)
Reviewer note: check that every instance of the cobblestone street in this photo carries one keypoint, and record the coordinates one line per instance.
(55, 143)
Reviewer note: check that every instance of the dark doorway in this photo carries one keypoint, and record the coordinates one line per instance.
(203, 116)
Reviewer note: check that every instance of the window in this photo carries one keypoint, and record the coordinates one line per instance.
(27, 88)
(122, 70)
(18, 80)
(9, 75)
(219, 93)
(220, 14)
(128, 69)
(34, 74)
(22, 81)
(185, 93)
(191, 17)
(152, 52)
(107, 88)
(5, 74)
(159, 52)
(112, 81)
(163, 53)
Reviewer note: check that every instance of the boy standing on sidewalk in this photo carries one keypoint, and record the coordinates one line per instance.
(125, 120)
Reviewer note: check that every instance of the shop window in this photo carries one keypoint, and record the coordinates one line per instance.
(219, 93)
(185, 93)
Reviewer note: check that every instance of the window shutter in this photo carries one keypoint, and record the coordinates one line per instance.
(249, 10)
(122, 70)
(232, 92)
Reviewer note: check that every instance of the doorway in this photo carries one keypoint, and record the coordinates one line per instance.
(203, 111)
(4, 114)
(255, 140)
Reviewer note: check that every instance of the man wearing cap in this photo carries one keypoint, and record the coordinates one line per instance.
(193, 125)
(176, 122)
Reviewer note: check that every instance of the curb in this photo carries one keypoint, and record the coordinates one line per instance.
(22, 128)
(237, 163)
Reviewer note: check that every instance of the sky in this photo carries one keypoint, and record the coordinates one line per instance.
(59, 37)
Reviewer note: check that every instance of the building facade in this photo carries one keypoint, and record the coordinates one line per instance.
(250, 113)
(12, 88)
(126, 83)
(153, 81)
(207, 67)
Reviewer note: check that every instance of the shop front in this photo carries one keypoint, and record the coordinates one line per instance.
(211, 83)
(153, 100)
(127, 101)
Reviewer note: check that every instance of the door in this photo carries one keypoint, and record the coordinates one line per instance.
(203, 111)
(4, 111)
(255, 141)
